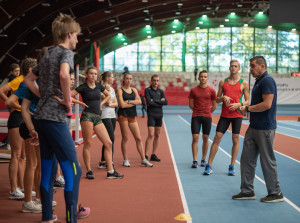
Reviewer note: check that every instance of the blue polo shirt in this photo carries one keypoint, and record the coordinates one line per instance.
(265, 120)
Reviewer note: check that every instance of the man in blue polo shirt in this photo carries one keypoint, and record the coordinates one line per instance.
(260, 134)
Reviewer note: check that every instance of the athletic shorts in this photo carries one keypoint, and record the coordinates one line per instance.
(24, 132)
(14, 120)
(90, 117)
(224, 123)
(123, 118)
(154, 121)
(69, 122)
(198, 121)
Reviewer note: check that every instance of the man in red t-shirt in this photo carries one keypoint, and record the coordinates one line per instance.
(231, 91)
(202, 100)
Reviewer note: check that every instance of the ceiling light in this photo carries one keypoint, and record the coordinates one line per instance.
(179, 4)
(174, 27)
(3, 35)
(116, 28)
(149, 37)
(246, 25)
(177, 13)
(208, 8)
(294, 29)
(146, 10)
(239, 5)
(197, 27)
(120, 34)
(87, 40)
(226, 20)
(261, 13)
(148, 26)
(112, 20)
(23, 43)
(147, 19)
(200, 22)
(176, 20)
(204, 16)
(221, 26)
(145, 1)
(270, 27)
(148, 31)
(173, 31)
(125, 44)
(232, 13)
(123, 39)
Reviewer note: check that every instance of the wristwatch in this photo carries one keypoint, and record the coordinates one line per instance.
(247, 108)
(128, 101)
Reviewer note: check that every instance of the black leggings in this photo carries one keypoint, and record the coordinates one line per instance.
(110, 125)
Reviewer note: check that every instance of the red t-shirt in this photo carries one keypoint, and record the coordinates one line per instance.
(234, 92)
(203, 98)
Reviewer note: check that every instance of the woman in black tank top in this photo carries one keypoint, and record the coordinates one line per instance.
(128, 99)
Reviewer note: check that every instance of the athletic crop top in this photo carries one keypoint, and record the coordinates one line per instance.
(234, 92)
(128, 112)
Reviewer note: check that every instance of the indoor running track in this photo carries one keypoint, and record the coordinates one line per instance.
(208, 198)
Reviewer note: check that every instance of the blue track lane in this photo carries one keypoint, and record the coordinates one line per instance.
(209, 197)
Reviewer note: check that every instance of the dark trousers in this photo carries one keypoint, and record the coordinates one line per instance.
(56, 143)
(110, 125)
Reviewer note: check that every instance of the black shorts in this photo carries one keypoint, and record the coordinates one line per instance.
(14, 120)
(154, 121)
(198, 121)
(24, 132)
(224, 123)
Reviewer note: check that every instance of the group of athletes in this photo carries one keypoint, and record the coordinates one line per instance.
(43, 120)
(259, 137)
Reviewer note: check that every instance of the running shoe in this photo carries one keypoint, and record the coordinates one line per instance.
(203, 163)
(154, 158)
(31, 207)
(61, 180)
(90, 175)
(208, 170)
(83, 212)
(102, 165)
(58, 185)
(114, 175)
(146, 163)
(33, 193)
(231, 170)
(271, 198)
(146, 157)
(243, 196)
(38, 201)
(16, 195)
(195, 164)
(126, 163)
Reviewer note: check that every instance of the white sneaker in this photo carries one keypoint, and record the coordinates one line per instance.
(61, 180)
(16, 195)
(38, 201)
(146, 163)
(32, 207)
(126, 163)
(33, 193)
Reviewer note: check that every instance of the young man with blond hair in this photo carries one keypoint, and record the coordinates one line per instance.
(55, 140)
(231, 91)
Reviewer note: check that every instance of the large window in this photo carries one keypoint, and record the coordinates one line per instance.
(210, 49)
(172, 52)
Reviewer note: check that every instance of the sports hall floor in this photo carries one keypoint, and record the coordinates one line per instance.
(171, 187)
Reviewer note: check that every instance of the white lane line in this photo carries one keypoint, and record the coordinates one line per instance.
(293, 123)
(257, 177)
(184, 203)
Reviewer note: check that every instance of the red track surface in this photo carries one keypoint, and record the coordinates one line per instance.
(144, 195)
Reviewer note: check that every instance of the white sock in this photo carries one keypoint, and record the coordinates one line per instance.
(111, 171)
